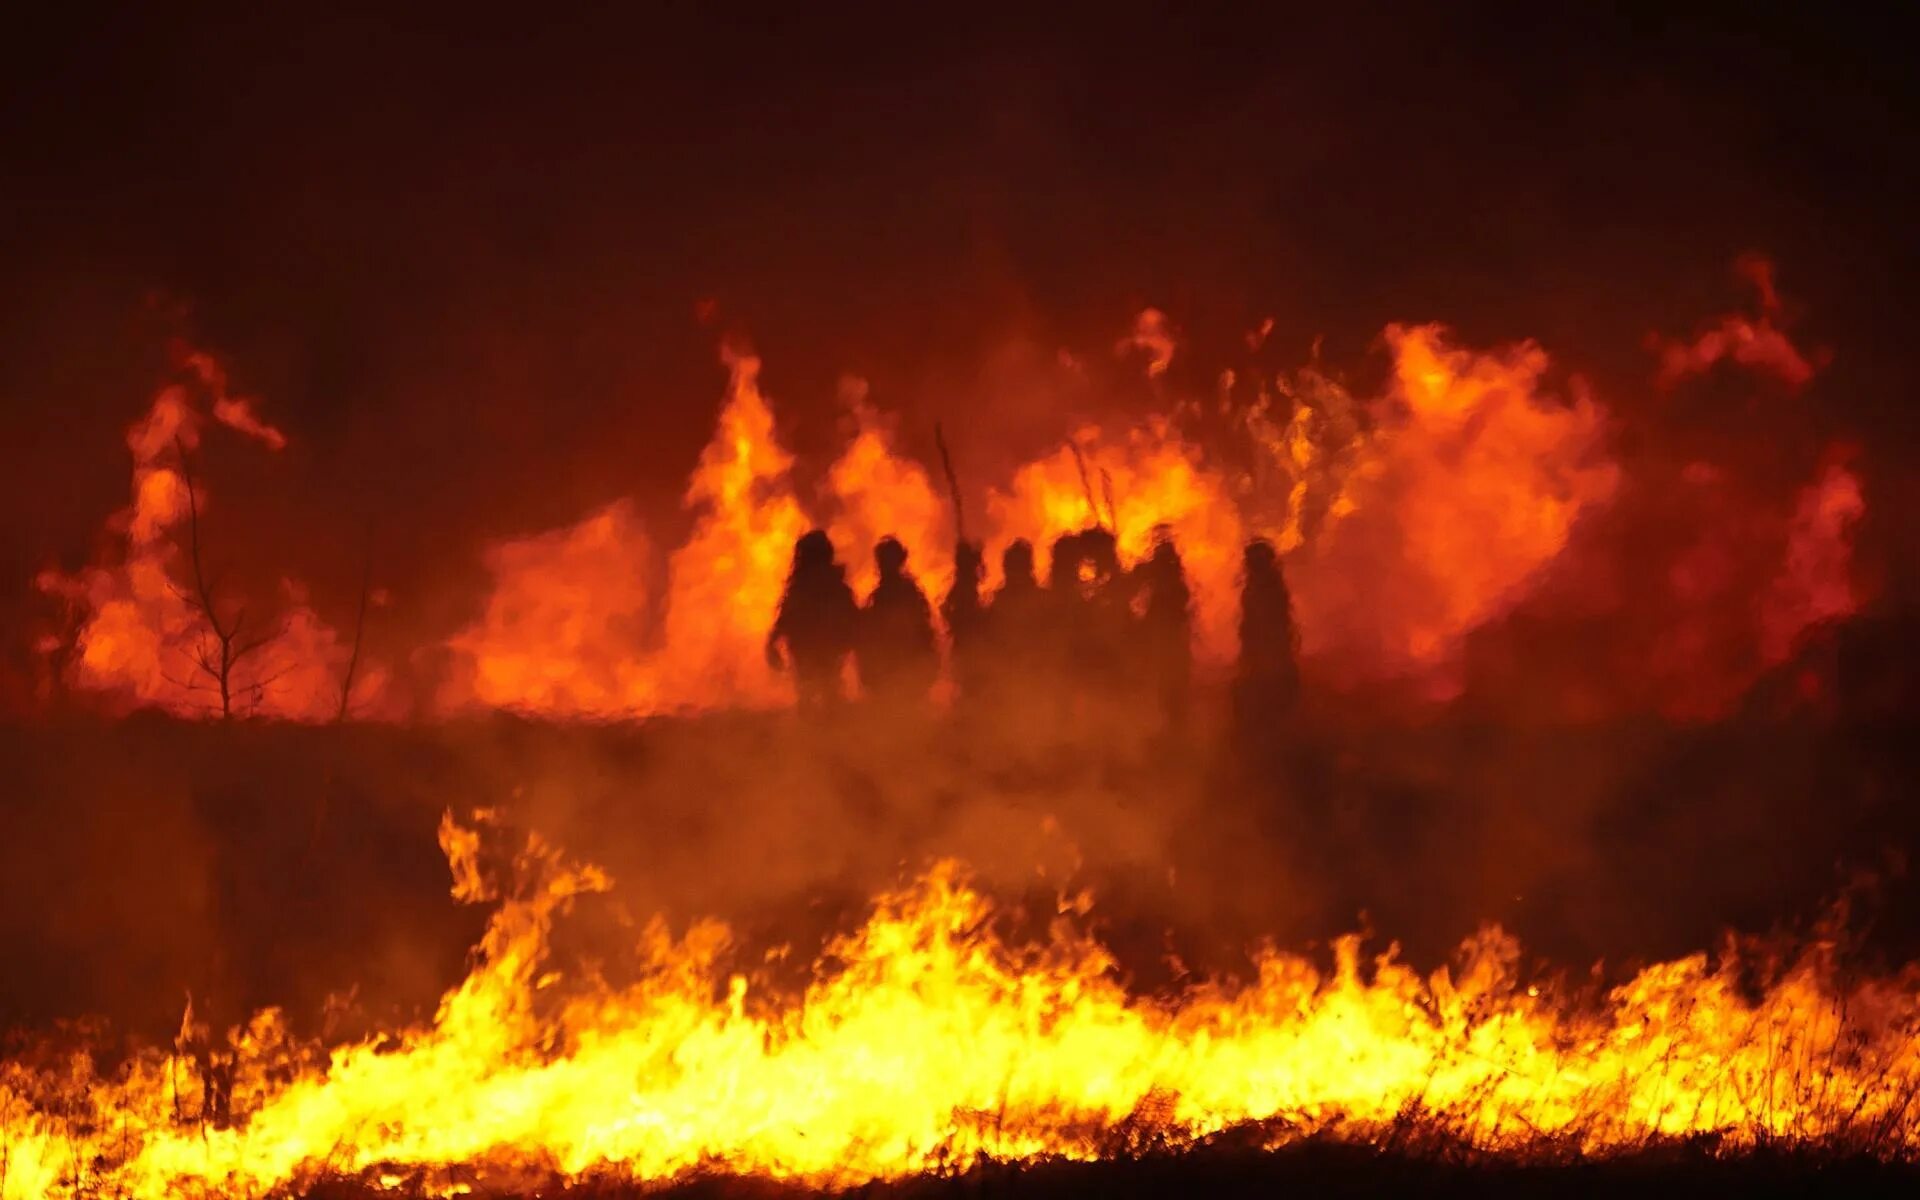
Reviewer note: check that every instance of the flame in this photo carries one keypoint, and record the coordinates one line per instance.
(142, 632)
(1467, 486)
(1408, 519)
(565, 625)
(1152, 336)
(874, 492)
(724, 582)
(927, 1041)
(566, 629)
(1140, 477)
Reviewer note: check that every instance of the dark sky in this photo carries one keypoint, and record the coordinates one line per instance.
(460, 257)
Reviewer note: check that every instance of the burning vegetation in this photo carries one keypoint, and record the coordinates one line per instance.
(1186, 594)
(927, 1040)
(1468, 489)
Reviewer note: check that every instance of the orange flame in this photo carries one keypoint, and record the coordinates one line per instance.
(565, 625)
(143, 634)
(931, 1043)
(1469, 483)
(874, 492)
(1141, 478)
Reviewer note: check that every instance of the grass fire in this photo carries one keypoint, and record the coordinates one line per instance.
(997, 616)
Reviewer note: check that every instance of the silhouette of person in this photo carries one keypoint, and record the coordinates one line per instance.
(966, 616)
(814, 630)
(1014, 639)
(896, 652)
(1099, 633)
(1015, 611)
(1061, 630)
(1166, 627)
(1268, 683)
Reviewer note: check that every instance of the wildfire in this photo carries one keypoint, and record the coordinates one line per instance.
(1468, 484)
(929, 1041)
(151, 625)
(1408, 520)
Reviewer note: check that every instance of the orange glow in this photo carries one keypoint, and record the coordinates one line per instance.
(1467, 486)
(143, 637)
(1147, 476)
(1815, 583)
(566, 630)
(724, 582)
(874, 491)
(1757, 342)
(928, 1042)
(565, 625)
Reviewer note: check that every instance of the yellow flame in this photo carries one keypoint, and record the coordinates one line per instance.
(932, 1042)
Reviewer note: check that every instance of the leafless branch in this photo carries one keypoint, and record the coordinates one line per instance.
(359, 623)
(218, 659)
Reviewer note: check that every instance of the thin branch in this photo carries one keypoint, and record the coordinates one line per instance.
(359, 623)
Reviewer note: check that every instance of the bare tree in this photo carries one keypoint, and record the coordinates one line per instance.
(227, 641)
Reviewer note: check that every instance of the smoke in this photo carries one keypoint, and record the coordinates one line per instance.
(1509, 579)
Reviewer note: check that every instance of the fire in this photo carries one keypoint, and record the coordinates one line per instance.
(875, 491)
(1467, 485)
(151, 626)
(565, 625)
(725, 581)
(1408, 519)
(568, 628)
(929, 1041)
(1131, 482)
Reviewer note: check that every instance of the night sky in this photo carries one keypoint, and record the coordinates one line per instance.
(459, 259)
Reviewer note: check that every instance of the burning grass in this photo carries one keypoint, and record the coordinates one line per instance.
(950, 1035)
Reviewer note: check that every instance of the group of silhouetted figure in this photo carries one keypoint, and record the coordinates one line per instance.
(1096, 632)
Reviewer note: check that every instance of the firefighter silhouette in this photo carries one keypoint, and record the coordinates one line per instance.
(814, 630)
(1165, 628)
(1267, 684)
(965, 614)
(895, 648)
(1100, 658)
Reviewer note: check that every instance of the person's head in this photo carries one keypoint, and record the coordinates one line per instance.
(1261, 561)
(1064, 570)
(1016, 561)
(1100, 551)
(813, 551)
(1166, 556)
(967, 562)
(889, 555)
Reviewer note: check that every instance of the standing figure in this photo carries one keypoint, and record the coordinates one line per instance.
(966, 616)
(1062, 626)
(813, 633)
(1012, 662)
(1101, 633)
(895, 650)
(1268, 683)
(1166, 628)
